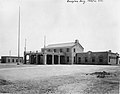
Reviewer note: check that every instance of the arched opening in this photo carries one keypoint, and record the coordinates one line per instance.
(49, 59)
(55, 59)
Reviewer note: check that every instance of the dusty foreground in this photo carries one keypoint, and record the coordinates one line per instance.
(60, 79)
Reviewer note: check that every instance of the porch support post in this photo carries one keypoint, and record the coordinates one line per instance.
(59, 58)
(36, 58)
(45, 58)
(30, 58)
(53, 59)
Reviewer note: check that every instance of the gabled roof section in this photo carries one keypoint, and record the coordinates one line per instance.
(61, 45)
(79, 45)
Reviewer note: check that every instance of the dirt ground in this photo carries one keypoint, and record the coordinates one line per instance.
(60, 79)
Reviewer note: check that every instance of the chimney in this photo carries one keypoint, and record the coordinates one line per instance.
(76, 41)
(110, 51)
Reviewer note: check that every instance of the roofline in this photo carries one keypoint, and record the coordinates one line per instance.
(79, 44)
(63, 46)
(57, 47)
(11, 56)
(58, 44)
(100, 52)
(61, 43)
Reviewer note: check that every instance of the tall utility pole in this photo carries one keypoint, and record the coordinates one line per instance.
(25, 52)
(19, 37)
(44, 42)
(9, 52)
(25, 45)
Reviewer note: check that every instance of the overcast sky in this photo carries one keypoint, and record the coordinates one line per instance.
(95, 25)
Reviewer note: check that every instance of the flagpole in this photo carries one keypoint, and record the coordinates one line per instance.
(19, 37)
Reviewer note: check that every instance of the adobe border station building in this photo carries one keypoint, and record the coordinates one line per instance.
(63, 53)
(69, 53)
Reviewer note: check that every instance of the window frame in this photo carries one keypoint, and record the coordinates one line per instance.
(74, 59)
(93, 59)
(13, 60)
(100, 58)
(54, 50)
(74, 50)
(68, 50)
(67, 58)
(61, 50)
(16, 60)
(86, 59)
(79, 59)
(8, 60)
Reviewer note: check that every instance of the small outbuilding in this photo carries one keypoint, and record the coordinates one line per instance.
(11, 59)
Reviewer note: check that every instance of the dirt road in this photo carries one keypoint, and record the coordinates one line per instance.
(70, 79)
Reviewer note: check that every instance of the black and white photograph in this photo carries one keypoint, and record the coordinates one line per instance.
(59, 47)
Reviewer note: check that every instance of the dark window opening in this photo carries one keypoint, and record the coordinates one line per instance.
(109, 58)
(74, 59)
(93, 59)
(8, 60)
(54, 50)
(67, 49)
(86, 60)
(12, 60)
(67, 58)
(74, 49)
(16, 60)
(60, 50)
(100, 59)
(79, 59)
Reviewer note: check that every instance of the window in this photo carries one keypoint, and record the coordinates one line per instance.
(8, 60)
(67, 49)
(54, 50)
(79, 59)
(48, 50)
(100, 59)
(86, 60)
(12, 60)
(67, 58)
(93, 59)
(109, 58)
(74, 49)
(60, 50)
(16, 60)
(74, 59)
